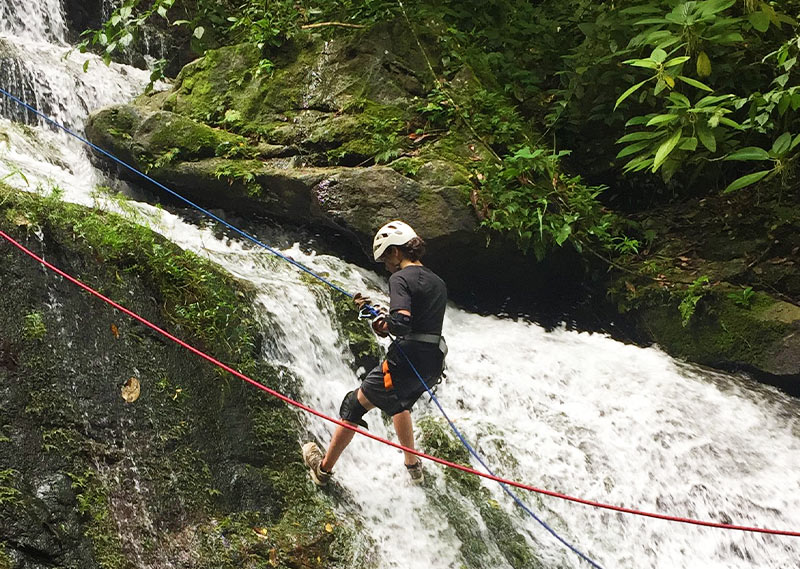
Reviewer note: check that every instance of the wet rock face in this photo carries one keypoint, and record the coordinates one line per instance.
(90, 479)
(300, 143)
(83, 15)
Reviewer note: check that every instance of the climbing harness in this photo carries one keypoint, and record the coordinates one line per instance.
(367, 309)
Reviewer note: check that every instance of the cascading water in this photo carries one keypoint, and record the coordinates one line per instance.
(577, 413)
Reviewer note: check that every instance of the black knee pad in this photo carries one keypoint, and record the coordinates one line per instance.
(353, 411)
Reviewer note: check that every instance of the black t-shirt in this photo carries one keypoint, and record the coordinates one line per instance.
(420, 291)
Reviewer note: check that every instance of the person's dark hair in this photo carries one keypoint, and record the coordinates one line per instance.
(414, 249)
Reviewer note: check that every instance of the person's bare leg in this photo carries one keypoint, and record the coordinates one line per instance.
(342, 437)
(405, 434)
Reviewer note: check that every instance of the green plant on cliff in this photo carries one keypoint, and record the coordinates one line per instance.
(93, 504)
(527, 197)
(9, 494)
(5, 559)
(33, 327)
(196, 291)
(694, 293)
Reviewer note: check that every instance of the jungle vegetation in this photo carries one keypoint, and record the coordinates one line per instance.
(589, 108)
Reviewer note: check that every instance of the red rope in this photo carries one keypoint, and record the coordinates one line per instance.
(367, 434)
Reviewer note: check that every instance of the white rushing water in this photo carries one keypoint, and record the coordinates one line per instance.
(572, 412)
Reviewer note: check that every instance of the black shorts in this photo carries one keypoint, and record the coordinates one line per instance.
(393, 389)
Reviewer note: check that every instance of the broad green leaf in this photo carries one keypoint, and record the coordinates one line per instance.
(180, 22)
(711, 7)
(85, 66)
(199, 31)
(660, 86)
(638, 164)
(680, 100)
(782, 79)
(563, 233)
(695, 83)
(633, 148)
(782, 144)
(677, 61)
(646, 9)
(733, 37)
(660, 119)
(796, 101)
(708, 100)
(648, 21)
(666, 148)
(641, 120)
(703, 65)
(795, 142)
(641, 135)
(689, 144)
(745, 181)
(669, 81)
(668, 42)
(646, 63)
(728, 122)
(658, 55)
(749, 153)
(629, 92)
(759, 20)
(706, 137)
(162, 11)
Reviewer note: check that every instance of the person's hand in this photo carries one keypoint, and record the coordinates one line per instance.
(380, 326)
(360, 300)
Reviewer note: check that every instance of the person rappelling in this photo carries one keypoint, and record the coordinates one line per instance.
(417, 301)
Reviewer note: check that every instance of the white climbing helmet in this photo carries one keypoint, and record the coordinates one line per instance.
(393, 233)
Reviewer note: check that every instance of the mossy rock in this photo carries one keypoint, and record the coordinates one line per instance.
(145, 139)
(101, 482)
(763, 335)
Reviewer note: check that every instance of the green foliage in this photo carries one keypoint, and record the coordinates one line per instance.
(93, 505)
(697, 290)
(239, 172)
(699, 80)
(9, 494)
(5, 559)
(33, 327)
(743, 298)
(197, 296)
(528, 198)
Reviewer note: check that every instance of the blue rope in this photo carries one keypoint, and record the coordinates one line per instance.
(478, 457)
(305, 269)
(177, 195)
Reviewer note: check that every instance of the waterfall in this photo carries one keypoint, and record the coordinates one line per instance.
(572, 412)
(42, 20)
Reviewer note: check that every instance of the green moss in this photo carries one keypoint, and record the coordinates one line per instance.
(163, 132)
(719, 331)
(188, 482)
(10, 496)
(94, 506)
(5, 559)
(33, 327)
(120, 122)
(407, 166)
(200, 297)
(474, 550)
(437, 438)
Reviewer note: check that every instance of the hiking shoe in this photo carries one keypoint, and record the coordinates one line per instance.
(312, 456)
(416, 473)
